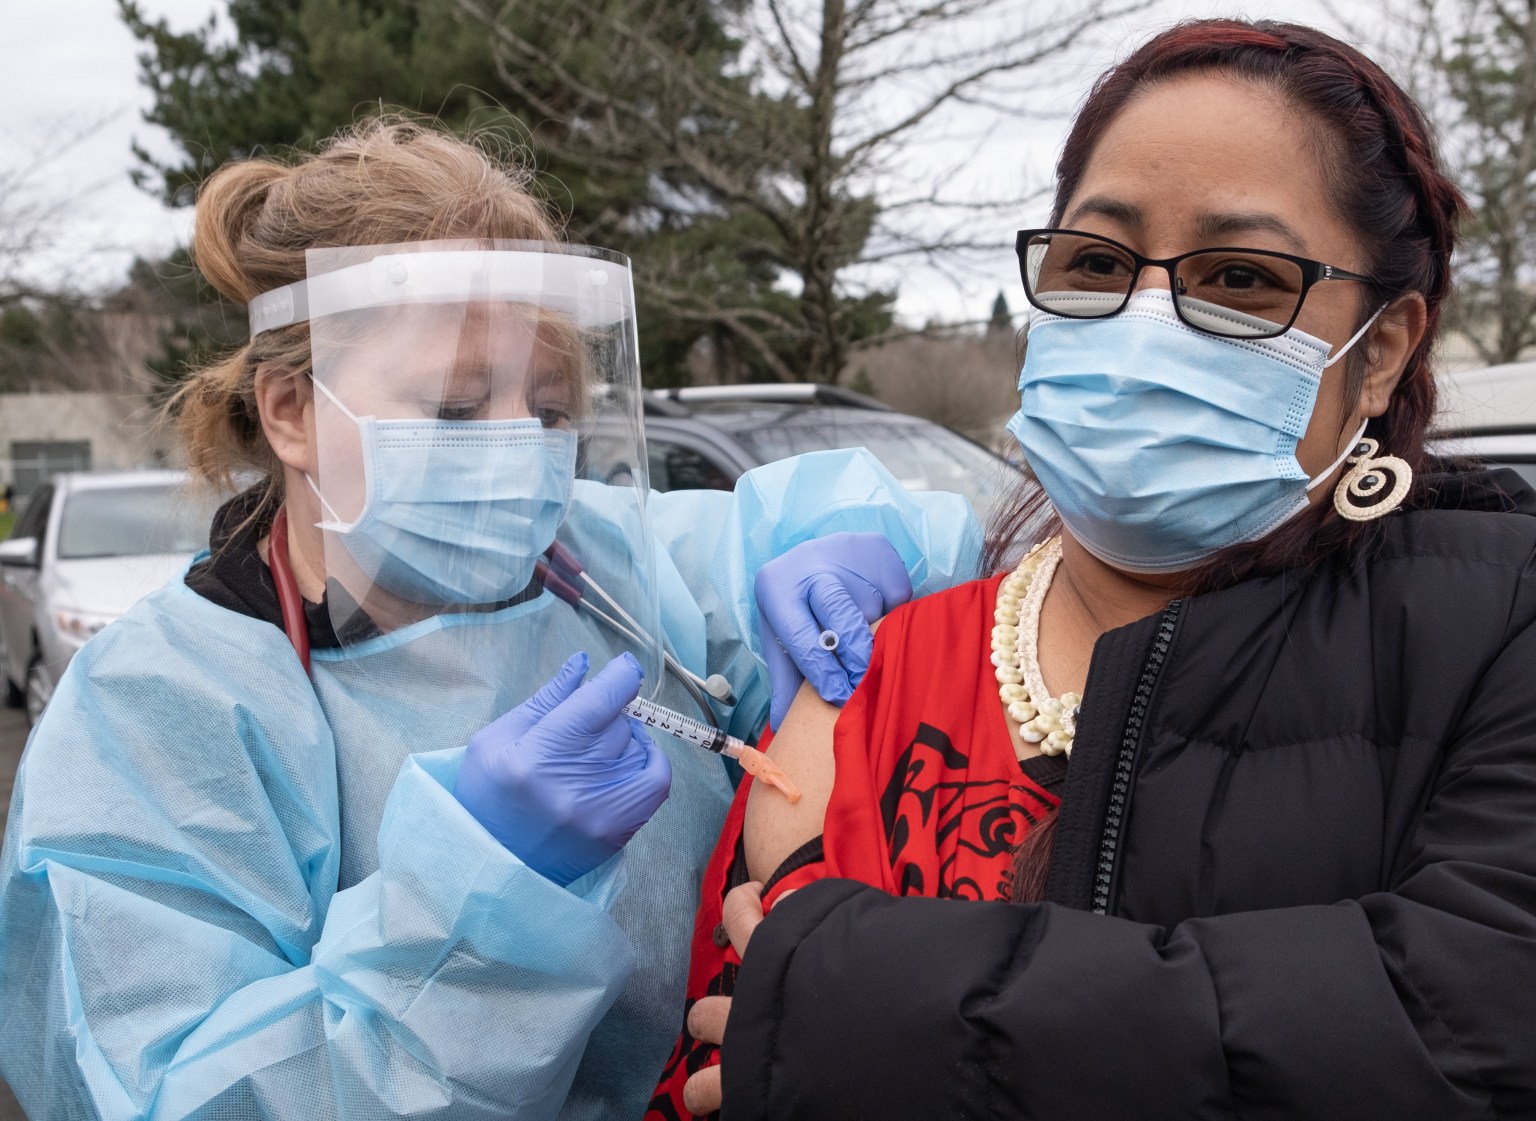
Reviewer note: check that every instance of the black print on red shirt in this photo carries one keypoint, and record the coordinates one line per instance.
(920, 800)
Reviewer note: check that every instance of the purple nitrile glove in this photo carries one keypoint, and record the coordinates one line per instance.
(565, 779)
(840, 583)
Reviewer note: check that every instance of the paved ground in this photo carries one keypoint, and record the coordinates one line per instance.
(9, 1109)
(13, 736)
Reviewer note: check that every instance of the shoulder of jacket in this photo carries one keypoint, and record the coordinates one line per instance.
(1425, 560)
(1475, 536)
(176, 646)
(176, 612)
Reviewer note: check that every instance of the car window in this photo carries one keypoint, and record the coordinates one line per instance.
(1515, 450)
(678, 467)
(132, 521)
(922, 456)
(1526, 471)
(34, 520)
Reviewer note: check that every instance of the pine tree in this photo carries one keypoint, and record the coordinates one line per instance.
(1002, 318)
(274, 76)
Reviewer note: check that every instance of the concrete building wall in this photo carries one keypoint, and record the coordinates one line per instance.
(121, 430)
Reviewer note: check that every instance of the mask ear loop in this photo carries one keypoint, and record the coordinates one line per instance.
(1356, 337)
(332, 522)
(355, 419)
(1349, 450)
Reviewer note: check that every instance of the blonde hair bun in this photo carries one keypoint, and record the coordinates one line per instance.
(383, 181)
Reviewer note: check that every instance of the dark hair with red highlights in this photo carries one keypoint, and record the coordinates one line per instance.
(1386, 183)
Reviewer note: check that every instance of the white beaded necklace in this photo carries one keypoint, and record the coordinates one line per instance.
(1049, 721)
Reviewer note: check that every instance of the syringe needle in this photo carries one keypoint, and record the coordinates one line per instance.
(764, 769)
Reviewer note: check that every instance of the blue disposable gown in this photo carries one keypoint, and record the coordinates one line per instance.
(231, 890)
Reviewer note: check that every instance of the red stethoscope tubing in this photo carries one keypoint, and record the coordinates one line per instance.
(290, 603)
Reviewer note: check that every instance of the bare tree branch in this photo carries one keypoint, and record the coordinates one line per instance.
(813, 154)
(801, 71)
(1472, 64)
(35, 213)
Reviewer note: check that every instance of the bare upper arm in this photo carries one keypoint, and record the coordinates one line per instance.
(774, 828)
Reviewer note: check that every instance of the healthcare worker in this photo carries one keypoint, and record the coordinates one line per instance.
(336, 825)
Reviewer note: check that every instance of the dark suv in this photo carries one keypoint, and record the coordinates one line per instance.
(704, 437)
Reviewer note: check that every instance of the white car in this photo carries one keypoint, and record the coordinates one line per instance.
(1489, 414)
(87, 547)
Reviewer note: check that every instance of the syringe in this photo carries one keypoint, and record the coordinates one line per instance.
(753, 761)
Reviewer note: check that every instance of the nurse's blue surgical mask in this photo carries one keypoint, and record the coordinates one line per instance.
(455, 512)
(1159, 445)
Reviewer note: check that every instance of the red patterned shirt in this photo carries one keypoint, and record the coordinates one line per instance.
(929, 797)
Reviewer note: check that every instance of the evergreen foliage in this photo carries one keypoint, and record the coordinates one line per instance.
(1002, 317)
(280, 75)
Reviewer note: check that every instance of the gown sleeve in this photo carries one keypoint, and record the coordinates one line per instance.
(1414, 1002)
(172, 941)
(715, 541)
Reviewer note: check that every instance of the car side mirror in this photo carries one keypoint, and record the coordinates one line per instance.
(19, 552)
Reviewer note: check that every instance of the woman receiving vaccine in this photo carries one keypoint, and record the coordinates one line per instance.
(1222, 788)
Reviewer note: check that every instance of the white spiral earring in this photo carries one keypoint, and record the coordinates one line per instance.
(1366, 481)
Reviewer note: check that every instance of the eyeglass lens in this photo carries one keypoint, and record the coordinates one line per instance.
(1237, 293)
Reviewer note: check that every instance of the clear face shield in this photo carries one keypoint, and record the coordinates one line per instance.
(457, 386)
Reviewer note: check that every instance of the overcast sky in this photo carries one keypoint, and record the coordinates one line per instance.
(67, 64)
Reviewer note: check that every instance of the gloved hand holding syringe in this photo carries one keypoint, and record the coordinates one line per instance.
(564, 781)
(753, 761)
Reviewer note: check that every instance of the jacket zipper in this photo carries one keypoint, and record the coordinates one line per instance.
(1125, 762)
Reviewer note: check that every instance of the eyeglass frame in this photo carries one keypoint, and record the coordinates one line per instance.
(1312, 273)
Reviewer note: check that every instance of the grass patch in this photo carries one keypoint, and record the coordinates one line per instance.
(6, 520)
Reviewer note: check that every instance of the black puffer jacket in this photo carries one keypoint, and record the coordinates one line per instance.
(1294, 877)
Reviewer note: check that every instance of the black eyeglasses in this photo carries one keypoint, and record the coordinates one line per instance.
(1234, 293)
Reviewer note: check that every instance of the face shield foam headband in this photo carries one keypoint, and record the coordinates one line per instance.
(590, 291)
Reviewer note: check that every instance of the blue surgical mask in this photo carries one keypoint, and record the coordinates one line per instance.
(455, 511)
(1159, 445)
